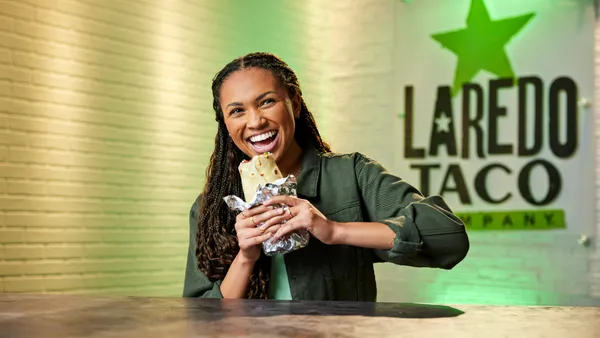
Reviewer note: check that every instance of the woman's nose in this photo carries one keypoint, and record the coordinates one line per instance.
(255, 119)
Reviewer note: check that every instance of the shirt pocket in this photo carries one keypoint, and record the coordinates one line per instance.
(350, 212)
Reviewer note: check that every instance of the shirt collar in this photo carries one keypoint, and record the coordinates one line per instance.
(308, 179)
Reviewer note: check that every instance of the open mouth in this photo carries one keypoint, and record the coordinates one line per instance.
(264, 142)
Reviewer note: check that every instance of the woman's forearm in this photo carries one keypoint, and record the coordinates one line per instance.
(237, 280)
(364, 234)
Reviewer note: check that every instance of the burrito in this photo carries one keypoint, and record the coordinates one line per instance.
(260, 170)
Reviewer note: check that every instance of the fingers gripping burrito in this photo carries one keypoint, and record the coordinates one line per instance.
(262, 179)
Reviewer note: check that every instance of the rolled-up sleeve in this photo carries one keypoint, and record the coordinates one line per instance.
(196, 283)
(428, 234)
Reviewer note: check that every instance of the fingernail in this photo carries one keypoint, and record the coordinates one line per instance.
(279, 211)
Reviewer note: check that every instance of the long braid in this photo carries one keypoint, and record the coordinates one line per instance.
(217, 244)
(216, 239)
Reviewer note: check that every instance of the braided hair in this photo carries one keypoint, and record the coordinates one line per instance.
(216, 239)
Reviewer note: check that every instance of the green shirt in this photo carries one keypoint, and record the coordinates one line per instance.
(354, 188)
(279, 284)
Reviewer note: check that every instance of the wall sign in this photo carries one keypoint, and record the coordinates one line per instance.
(492, 117)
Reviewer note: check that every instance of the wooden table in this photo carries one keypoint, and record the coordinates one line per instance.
(86, 316)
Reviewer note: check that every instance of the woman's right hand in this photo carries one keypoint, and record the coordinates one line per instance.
(250, 234)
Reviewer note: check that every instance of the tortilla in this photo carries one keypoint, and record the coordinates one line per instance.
(260, 170)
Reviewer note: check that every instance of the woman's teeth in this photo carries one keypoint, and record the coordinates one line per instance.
(262, 137)
(265, 142)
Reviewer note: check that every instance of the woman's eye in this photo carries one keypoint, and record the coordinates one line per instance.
(235, 111)
(267, 101)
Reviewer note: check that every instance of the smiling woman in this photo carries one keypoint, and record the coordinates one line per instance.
(356, 211)
(259, 115)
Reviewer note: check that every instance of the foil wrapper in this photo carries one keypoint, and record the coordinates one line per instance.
(283, 186)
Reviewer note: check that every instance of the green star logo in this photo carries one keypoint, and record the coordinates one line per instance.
(481, 45)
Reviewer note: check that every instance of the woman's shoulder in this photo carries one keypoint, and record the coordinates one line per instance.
(338, 166)
(349, 164)
(355, 158)
(349, 156)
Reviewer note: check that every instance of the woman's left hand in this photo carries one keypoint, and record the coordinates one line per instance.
(301, 214)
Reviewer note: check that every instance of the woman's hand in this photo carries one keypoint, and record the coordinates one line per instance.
(251, 233)
(300, 214)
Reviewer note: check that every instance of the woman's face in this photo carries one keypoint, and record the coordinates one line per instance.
(258, 113)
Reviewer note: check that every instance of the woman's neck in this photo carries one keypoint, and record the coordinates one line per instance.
(292, 161)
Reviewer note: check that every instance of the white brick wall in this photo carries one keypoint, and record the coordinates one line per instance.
(101, 142)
